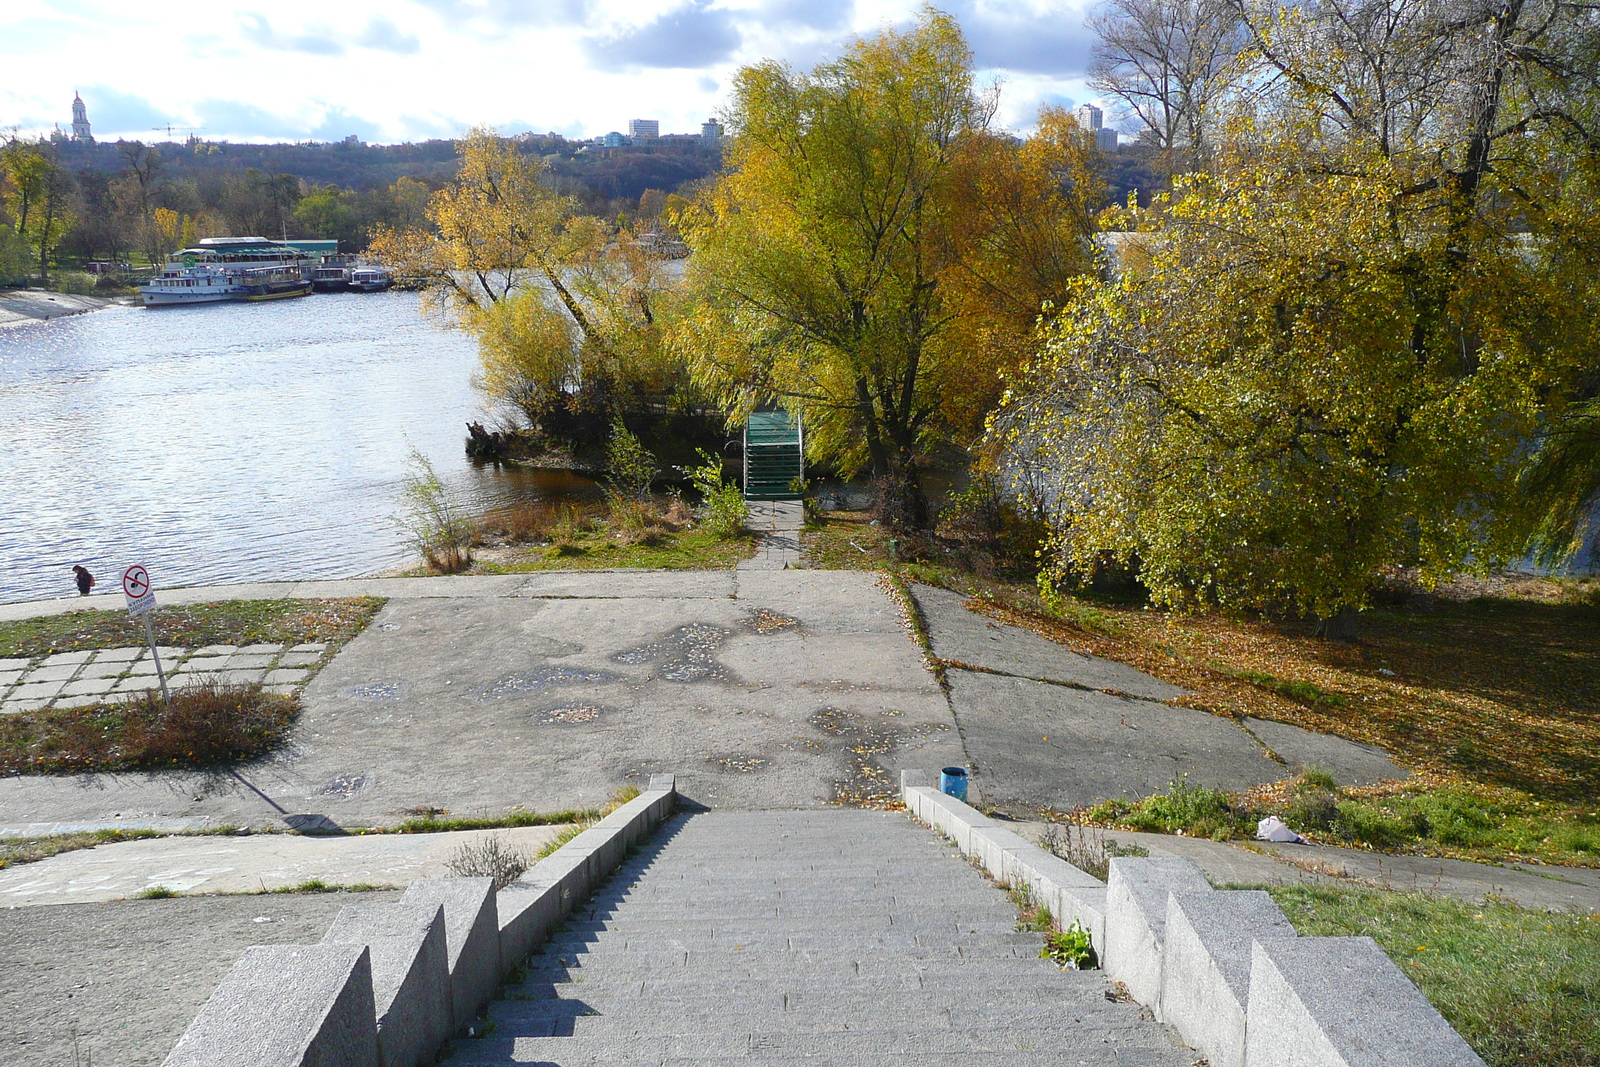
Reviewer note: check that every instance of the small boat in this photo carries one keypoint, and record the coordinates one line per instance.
(368, 279)
(330, 279)
(273, 283)
(202, 283)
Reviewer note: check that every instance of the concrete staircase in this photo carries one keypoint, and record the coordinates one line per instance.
(808, 938)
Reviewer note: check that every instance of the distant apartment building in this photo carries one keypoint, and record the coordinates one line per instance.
(1092, 120)
(711, 130)
(638, 128)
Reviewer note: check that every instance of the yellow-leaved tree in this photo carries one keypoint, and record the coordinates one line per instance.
(1326, 356)
(874, 255)
(565, 309)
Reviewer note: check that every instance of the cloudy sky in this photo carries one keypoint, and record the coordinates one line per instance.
(409, 70)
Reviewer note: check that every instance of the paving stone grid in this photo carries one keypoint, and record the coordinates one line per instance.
(77, 679)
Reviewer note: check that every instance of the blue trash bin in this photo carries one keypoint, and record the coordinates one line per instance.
(953, 782)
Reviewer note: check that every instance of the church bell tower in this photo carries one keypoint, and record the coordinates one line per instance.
(80, 121)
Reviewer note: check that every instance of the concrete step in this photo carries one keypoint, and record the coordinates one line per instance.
(668, 964)
(469, 1054)
(957, 981)
(815, 938)
(1065, 1042)
(711, 927)
(799, 913)
(827, 945)
(910, 1010)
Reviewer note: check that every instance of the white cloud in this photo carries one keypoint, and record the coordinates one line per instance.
(415, 69)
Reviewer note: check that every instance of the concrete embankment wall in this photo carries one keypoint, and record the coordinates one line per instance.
(1225, 968)
(390, 983)
(20, 307)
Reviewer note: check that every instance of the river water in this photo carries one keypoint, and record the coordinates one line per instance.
(231, 442)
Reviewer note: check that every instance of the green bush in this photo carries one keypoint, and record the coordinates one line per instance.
(73, 282)
(723, 509)
(632, 468)
(1196, 810)
(438, 530)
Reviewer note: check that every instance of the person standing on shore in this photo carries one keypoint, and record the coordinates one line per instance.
(84, 579)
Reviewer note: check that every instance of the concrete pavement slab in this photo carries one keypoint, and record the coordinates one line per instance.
(479, 703)
(1571, 889)
(228, 864)
(1546, 887)
(117, 983)
(1350, 762)
(966, 637)
(1037, 745)
(632, 585)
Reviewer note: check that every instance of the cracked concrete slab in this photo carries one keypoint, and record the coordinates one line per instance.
(477, 703)
(1350, 762)
(1037, 745)
(967, 637)
(228, 864)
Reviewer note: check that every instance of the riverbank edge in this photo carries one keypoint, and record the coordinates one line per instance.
(21, 307)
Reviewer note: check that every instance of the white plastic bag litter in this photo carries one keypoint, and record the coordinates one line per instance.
(1273, 828)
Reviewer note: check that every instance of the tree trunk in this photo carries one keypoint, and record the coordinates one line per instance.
(1340, 626)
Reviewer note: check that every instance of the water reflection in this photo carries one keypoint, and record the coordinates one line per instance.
(232, 442)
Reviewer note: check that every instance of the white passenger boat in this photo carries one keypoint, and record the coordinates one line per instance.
(202, 283)
(369, 279)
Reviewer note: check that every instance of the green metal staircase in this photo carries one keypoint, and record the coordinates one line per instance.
(774, 456)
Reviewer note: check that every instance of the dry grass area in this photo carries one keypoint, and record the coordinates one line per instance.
(661, 533)
(201, 726)
(845, 541)
(1488, 691)
(227, 622)
(1504, 690)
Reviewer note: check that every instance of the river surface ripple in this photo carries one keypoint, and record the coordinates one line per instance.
(230, 442)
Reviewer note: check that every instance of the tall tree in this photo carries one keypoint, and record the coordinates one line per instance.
(1169, 63)
(847, 261)
(1325, 357)
(39, 197)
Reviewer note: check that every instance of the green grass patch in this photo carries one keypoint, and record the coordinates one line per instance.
(1195, 810)
(155, 892)
(1464, 822)
(1298, 691)
(227, 622)
(203, 725)
(600, 548)
(443, 822)
(566, 834)
(1469, 823)
(1523, 987)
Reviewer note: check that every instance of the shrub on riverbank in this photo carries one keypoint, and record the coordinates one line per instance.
(204, 725)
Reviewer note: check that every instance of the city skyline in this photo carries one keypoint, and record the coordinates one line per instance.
(412, 70)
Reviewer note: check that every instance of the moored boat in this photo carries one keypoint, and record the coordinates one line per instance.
(369, 279)
(273, 283)
(203, 283)
(330, 279)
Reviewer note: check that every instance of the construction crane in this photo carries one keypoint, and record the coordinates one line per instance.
(190, 130)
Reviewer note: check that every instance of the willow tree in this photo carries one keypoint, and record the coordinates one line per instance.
(564, 309)
(855, 260)
(1326, 357)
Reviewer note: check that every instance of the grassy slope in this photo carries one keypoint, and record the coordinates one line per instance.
(1523, 987)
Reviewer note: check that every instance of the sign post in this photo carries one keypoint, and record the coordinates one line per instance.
(141, 601)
